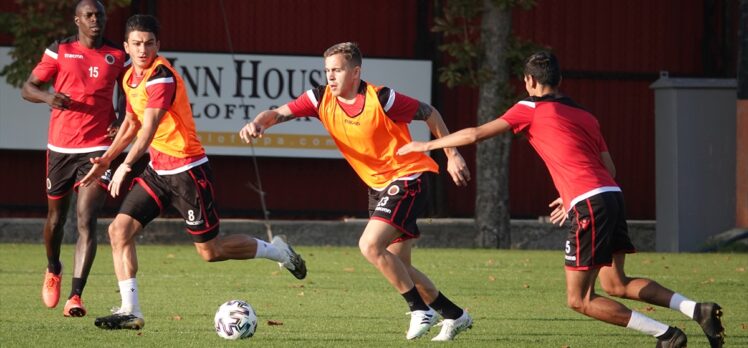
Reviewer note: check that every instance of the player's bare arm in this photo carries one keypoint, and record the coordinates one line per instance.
(32, 91)
(456, 166)
(127, 132)
(609, 165)
(462, 137)
(120, 111)
(265, 120)
(151, 119)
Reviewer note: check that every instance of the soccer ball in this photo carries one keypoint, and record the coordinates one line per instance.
(235, 320)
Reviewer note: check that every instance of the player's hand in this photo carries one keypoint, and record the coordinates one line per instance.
(59, 101)
(118, 178)
(415, 146)
(251, 130)
(97, 170)
(457, 168)
(558, 215)
(111, 131)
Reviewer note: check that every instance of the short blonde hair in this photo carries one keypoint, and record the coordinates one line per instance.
(349, 50)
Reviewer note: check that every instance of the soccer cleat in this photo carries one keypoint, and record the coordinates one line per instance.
(118, 321)
(51, 289)
(420, 323)
(673, 338)
(295, 263)
(709, 317)
(74, 307)
(452, 327)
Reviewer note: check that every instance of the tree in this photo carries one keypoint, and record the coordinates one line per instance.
(484, 54)
(37, 24)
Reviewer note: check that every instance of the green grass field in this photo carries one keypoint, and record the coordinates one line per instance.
(516, 298)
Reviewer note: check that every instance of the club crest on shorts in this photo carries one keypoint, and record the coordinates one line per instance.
(49, 184)
(109, 59)
(393, 190)
(584, 223)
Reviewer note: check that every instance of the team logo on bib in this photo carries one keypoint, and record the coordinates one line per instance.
(109, 59)
(393, 190)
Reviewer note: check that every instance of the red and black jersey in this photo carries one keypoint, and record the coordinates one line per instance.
(568, 139)
(87, 76)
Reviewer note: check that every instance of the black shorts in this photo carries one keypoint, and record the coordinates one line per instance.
(65, 171)
(598, 231)
(400, 204)
(190, 192)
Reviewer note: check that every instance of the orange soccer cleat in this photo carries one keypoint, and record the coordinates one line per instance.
(74, 307)
(51, 289)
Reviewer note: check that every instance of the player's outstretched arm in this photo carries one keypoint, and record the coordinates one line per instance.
(456, 166)
(122, 139)
(151, 119)
(462, 137)
(264, 120)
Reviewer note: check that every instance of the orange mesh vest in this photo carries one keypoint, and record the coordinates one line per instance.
(176, 135)
(370, 139)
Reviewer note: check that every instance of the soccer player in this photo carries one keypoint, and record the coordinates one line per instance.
(568, 139)
(368, 123)
(179, 175)
(84, 68)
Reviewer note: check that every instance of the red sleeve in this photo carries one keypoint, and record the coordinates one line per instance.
(402, 108)
(520, 115)
(161, 92)
(303, 106)
(47, 67)
(128, 107)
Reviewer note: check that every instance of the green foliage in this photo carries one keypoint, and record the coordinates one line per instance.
(517, 299)
(35, 27)
(460, 26)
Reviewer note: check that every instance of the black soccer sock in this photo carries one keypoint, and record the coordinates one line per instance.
(54, 266)
(445, 307)
(414, 300)
(78, 285)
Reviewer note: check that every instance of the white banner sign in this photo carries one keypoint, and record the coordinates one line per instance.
(227, 91)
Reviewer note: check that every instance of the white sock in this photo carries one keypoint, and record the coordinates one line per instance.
(682, 304)
(645, 324)
(266, 250)
(128, 291)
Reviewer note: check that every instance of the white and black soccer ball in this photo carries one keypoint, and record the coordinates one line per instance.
(235, 320)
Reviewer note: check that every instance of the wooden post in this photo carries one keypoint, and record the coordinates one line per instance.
(741, 137)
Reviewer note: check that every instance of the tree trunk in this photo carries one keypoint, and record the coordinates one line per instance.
(492, 177)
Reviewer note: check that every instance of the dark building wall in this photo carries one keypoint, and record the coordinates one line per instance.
(610, 52)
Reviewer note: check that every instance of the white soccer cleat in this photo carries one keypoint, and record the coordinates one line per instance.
(452, 327)
(295, 264)
(420, 323)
